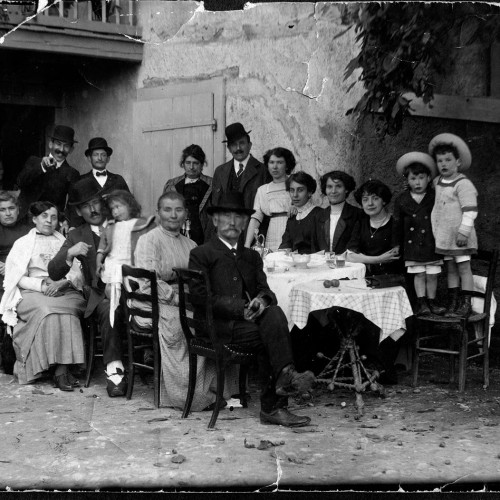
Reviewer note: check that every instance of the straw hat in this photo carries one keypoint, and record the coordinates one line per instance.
(462, 148)
(416, 157)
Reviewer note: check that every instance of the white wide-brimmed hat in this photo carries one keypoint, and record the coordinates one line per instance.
(462, 148)
(416, 157)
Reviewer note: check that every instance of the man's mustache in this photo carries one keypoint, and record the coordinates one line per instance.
(94, 214)
(59, 152)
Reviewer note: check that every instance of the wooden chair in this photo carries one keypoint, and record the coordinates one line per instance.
(139, 338)
(211, 347)
(457, 330)
(94, 348)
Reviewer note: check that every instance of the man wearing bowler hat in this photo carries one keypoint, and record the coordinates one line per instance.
(243, 173)
(82, 244)
(99, 154)
(246, 311)
(49, 178)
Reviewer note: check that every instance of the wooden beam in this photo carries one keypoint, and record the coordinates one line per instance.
(480, 109)
(76, 43)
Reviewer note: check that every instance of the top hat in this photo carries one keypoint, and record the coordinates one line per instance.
(232, 201)
(63, 134)
(234, 132)
(462, 148)
(82, 191)
(98, 143)
(416, 157)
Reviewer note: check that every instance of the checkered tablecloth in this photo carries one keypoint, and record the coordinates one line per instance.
(281, 283)
(385, 307)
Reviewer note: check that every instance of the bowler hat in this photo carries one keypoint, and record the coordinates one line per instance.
(232, 201)
(83, 190)
(63, 134)
(98, 143)
(462, 148)
(416, 157)
(234, 132)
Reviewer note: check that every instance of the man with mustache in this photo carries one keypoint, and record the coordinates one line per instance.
(243, 173)
(82, 243)
(49, 178)
(99, 154)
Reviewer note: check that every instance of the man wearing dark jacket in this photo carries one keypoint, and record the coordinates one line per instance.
(246, 311)
(99, 154)
(49, 178)
(82, 243)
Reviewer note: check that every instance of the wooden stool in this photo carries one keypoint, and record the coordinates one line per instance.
(361, 377)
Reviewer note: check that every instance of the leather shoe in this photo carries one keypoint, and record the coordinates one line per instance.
(73, 380)
(281, 416)
(291, 382)
(116, 391)
(62, 382)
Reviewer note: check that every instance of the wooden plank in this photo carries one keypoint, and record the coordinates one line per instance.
(481, 109)
(120, 49)
(495, 70)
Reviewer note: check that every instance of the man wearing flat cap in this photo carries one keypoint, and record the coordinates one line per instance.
(99, 154)
(82, 244)
(245, 310)
(49, 178)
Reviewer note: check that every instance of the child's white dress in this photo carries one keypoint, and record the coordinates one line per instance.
(121, 253)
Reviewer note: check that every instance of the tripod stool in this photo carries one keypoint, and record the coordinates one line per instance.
(361, 376)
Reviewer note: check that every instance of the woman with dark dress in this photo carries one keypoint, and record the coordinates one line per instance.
(333, 226)
(371, 241)
(196, 189)
(298, 232)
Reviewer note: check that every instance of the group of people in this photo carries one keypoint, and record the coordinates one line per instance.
(208, 224)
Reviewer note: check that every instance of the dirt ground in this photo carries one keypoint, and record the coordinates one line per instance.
(424, 438)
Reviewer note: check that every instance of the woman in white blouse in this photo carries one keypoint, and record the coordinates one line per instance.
(44, 314)
(272, 200)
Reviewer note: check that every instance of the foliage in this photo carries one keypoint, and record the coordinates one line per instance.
(404, 46)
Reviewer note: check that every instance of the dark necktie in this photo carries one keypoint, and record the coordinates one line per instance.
(234, 251)
(240, 171)
(103, 173)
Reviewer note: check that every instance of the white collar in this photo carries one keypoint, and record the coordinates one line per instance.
(238, 163)
(188, 180)
(94, 171)
(337, 209)
(228, 244)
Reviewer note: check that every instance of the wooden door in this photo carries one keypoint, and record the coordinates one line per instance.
(168, 119)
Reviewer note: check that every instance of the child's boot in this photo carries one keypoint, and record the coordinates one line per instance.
(435, 307)
(452, 301)
(465, 307)
(422, 307)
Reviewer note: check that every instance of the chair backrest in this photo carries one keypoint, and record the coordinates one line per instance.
(490, 258)
(133, 289)
(195, 295)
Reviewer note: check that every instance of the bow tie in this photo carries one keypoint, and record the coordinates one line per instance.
(104, 174)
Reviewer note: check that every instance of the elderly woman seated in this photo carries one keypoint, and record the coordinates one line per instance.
(160, 250)
(44, 314)
(11, 229)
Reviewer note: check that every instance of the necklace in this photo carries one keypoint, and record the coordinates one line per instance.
(384, 220)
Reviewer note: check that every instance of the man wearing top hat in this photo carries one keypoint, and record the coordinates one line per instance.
(82, 243)
(49, 178)
(99, 154)
(245, 309)
(243, 173)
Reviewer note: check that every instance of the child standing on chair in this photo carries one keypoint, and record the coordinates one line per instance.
(115, 244)
(413, 231)
(453, 215)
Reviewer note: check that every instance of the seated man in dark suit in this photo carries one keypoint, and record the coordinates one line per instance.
(245, 310)
(98, 154)
(82, 243)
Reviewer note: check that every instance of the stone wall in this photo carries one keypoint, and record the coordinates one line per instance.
(283, 65)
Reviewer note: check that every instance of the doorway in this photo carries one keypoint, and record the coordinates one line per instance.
(23, 132)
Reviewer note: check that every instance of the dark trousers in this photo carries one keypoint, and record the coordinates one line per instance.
(268, 336)
(111, 336)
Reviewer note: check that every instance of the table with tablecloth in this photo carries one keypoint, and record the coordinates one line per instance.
(281, 282)
(385, 307)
